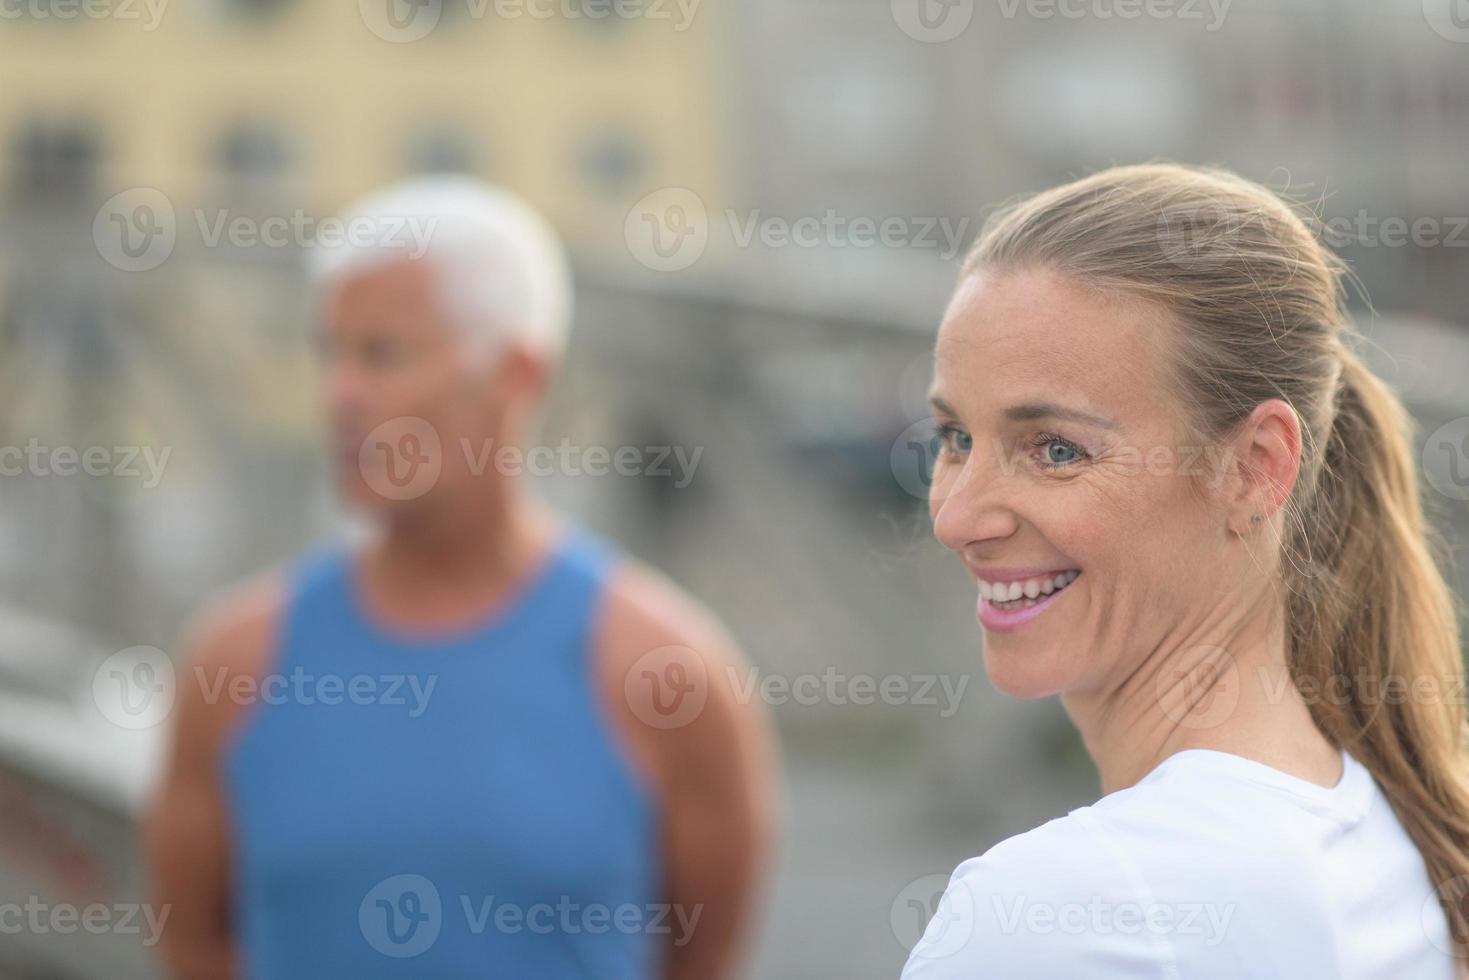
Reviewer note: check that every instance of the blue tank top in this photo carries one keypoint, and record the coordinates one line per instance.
(447, 807)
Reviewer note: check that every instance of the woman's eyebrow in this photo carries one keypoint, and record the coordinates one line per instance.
(941, 406)
(1031, 411)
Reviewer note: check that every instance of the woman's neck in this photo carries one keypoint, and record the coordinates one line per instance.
(1231, 692)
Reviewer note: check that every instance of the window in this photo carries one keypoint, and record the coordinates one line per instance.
(442, 148)
(611, 161)
(55, 157)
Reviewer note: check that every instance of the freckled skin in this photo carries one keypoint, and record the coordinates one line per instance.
(1153, 547)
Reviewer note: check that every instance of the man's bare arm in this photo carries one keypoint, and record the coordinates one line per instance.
(186, 830)
(708, 758)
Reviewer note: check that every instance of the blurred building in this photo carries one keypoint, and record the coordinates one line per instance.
(308, 104)
(1350, 106)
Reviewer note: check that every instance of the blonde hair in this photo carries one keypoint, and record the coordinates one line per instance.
(1258, 304)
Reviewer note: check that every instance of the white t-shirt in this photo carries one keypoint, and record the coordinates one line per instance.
(1213, 867)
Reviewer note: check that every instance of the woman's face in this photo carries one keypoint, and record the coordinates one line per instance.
(1060, 454)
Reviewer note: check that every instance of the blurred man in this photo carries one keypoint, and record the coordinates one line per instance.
(482, 743)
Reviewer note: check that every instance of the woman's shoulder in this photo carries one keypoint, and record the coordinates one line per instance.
(1147, 882)
(1058, 900)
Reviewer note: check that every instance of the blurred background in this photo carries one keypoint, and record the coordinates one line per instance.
(766, 202)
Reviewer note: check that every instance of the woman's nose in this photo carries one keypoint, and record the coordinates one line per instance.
(973, 505)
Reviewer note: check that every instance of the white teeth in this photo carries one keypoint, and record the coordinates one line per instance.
(1029, 589)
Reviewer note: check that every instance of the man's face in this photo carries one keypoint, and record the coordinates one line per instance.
(412, 413)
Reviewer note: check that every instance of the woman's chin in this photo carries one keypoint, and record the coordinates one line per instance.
(1025, 675)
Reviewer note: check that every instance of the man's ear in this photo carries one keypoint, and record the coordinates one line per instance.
(525, 370)
(521, 381)
(1267, 456)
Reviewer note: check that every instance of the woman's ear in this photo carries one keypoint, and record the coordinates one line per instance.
(1266, 464)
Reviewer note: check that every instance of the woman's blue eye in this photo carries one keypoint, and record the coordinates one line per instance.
(1058, 452)
(952, 439)
(1051, 455)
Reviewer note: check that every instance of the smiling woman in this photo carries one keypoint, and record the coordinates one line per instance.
(1191, 512)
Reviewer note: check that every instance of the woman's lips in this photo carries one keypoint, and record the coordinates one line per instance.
(998, 620)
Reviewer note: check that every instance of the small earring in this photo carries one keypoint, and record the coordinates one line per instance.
(1256, 518)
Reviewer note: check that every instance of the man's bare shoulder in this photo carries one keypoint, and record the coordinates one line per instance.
(645, 610)
(675, 675)
(236, 627)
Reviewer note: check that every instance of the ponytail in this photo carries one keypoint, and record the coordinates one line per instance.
(1372, 616)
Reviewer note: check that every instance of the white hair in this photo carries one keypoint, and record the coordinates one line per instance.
(500, 269)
